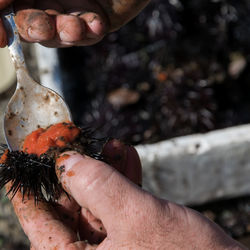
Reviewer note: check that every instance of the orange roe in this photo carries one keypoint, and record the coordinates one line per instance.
(58, 135)
(4, 156)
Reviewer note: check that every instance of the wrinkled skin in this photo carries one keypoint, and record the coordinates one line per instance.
(64, 23)
(110, 211)
(46, 224)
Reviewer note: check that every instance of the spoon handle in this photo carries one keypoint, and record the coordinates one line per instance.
(14, 44)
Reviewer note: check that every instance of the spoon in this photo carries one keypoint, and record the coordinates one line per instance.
(32, 106)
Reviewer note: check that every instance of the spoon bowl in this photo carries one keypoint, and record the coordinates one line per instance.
(32, 106)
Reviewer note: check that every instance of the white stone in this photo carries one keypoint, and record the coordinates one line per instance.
(199, 168)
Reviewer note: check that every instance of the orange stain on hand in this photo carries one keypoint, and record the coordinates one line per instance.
(58, 135)
(70, 173)
(61, 159)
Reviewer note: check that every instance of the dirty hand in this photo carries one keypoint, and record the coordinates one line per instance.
(112, 212)
(55, 226)
(62, 23)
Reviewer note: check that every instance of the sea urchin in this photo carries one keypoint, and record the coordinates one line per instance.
(32, 169)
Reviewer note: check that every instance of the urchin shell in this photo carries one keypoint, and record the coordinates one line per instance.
(36, 176)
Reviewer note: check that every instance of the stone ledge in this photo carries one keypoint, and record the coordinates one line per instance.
(199, 168)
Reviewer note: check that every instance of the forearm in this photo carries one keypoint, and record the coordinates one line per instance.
(119, 12)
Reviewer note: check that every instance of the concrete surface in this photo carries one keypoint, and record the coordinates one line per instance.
(199, 168)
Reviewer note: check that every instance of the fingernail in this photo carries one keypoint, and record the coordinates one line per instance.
(95, 27)
(33, 34)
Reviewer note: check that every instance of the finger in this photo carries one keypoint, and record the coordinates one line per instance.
(80, 220)
(35, 25)
(3, 36)
(43, 226)
(125, 159)
(115, 154)
(68, 210)
(91, 228)
(89, 27)
(133, 166)
(5, 3)
(93, 16)
(98, 187)
(96, 26)
(73, 30)
(70, 28)
(48, 26)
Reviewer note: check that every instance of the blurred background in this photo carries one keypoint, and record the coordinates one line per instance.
(181, 67)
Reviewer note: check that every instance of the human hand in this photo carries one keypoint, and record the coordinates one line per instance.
(62, 23)
(66, 217)
(113, 213)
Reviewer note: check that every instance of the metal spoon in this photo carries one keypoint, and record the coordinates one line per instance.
(32, 106)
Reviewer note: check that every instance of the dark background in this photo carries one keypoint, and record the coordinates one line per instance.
(180, 67)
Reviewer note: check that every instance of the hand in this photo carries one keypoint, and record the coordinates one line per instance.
(66, 217)
(112, 212)
(63, 23)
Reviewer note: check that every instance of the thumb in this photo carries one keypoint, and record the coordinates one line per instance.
(97, 187)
